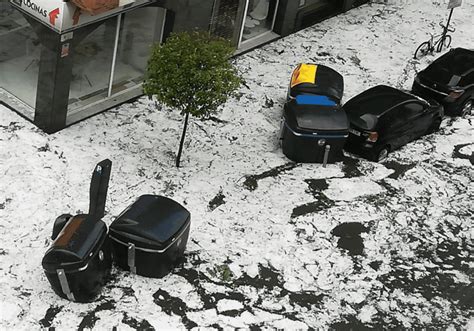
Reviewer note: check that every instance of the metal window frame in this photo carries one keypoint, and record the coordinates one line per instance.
(241, 42)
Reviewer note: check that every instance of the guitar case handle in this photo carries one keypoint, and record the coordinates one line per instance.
(99, 187)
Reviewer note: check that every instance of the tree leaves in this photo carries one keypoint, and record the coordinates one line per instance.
(192, 73)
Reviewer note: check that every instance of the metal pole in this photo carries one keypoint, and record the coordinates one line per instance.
(445, 31)
(114, 57)
(241, 32)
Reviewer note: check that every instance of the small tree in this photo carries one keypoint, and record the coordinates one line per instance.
(192, 73)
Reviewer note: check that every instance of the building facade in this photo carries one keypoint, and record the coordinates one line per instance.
(59, 65)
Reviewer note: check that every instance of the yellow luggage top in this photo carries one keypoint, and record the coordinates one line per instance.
(304, 73)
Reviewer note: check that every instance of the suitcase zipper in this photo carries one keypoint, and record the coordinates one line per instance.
(149, 250)
(316, 134)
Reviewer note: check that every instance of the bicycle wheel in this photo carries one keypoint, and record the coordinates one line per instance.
(422, 50)
(444, 43)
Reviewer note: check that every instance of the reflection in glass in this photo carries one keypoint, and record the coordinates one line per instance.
(225, 19)
(91, 69)
(137, 34)
(259, 19)
(19, 56)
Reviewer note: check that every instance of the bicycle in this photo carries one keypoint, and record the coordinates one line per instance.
(429, 46)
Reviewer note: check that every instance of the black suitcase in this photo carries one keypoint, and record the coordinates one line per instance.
(150, 236)
(78, 263)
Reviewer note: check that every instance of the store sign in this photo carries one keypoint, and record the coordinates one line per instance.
(53, 16)
(454, 3)
(65, 16)
(45, 11)
(35, 7)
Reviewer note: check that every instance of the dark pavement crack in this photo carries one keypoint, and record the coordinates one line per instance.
(251, 181)
(90, 318)
(50, 315)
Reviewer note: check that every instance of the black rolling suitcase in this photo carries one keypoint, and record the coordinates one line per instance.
(150, 236)
(79, 261)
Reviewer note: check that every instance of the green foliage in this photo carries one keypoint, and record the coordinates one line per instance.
(191, 72)
(222, 272)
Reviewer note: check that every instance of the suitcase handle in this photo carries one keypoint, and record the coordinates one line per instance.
(59, 224)
(99, 187)
(98, 195)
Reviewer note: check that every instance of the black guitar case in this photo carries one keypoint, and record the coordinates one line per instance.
(79, 261)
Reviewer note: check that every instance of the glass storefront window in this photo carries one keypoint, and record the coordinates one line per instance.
(93, 57)
(19, 56)
(139, 30)
(92, 65)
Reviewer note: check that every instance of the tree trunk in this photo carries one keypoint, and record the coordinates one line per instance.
(178, 158)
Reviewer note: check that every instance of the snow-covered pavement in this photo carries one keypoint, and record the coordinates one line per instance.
(262, 251)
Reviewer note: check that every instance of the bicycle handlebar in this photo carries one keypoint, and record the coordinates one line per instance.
(448, 29)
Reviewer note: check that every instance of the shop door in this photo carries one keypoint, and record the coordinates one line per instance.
(259, 19)
(139, 30)
(92, 60)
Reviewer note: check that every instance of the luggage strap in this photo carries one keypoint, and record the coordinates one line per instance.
(131, 258)
(64, 284)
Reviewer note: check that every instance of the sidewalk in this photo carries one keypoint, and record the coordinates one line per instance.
(261, 252)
